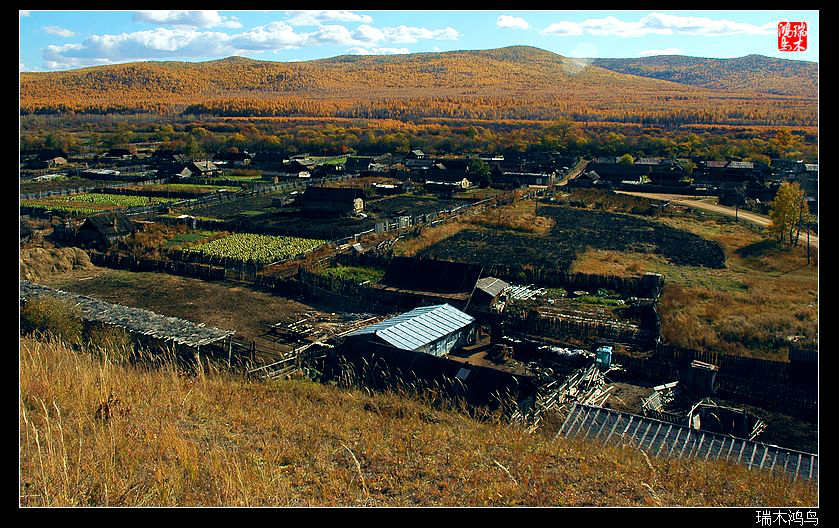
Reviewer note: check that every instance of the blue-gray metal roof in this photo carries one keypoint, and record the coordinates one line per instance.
(419, 327)
(656, 437)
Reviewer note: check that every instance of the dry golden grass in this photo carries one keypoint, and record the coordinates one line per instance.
(96, 433)
(429, 236)
(37, 263)
(520, 216)
(765, 295)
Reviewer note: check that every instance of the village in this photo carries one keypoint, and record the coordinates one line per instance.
(451, 276)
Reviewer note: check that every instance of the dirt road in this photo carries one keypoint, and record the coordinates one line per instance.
(697, 203)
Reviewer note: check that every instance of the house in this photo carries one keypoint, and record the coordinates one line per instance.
(728, 173)
(332, 201)
(358, 163)
(586, 180)
(199, 169)
(418, 165)
(105, 228)
(516, 179)
(47, 158)
(446, 187)
(435, 330)
(417, 155)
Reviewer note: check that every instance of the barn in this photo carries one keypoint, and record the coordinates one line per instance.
(435, 330)
(102, 229)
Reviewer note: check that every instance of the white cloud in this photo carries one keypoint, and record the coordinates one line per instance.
(316, 18)
(665, 51)
(183, 41)
(159, 43)
(60, 31)
(410, 34)
(274, 35)
(564, 28)
(658, 24)
(507, 21)
(202, 19)
(377, 51)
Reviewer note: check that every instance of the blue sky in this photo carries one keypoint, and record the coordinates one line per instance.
(58, 40)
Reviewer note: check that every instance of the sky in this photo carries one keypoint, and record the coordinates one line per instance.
(61, 40)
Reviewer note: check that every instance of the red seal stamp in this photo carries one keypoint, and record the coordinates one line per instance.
(792, 36)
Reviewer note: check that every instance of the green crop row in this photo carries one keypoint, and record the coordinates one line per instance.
(259, 248)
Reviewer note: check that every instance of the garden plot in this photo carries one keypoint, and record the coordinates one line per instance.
(262, 249)
(574, 232)
(91, 203)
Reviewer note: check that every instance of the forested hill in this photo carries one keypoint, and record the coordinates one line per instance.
(509, 83)
(750, 73)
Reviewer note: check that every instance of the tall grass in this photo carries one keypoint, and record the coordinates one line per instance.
(96, 433)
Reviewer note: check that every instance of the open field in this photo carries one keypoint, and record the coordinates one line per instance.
(105, 434)
(763, 300)
(223, 305)
(574, 231)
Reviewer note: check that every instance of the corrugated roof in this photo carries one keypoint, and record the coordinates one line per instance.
(492, 286)
(668, 439)
(419, 327)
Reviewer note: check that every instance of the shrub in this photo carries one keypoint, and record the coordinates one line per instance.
(52, 316)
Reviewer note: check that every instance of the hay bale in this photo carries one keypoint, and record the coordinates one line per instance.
(37, 264)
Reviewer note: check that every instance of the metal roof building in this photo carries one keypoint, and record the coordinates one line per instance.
(660, 438)
(435, 330)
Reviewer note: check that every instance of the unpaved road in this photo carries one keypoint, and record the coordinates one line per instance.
(716, 208)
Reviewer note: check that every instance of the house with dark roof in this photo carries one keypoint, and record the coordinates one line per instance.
(358, 163)
(332, 201)
(105, 228)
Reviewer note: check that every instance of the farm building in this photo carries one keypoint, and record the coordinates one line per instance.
(417, 155)
(105, 228)
(233, 159)
(202, 169)
(586, 180)
(728, 173)
(358, 163)
(118, 154)
(435, 330)
(332, 201)
(488, 292)
(383, 365)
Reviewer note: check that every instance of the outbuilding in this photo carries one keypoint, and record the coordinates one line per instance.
(435, 330)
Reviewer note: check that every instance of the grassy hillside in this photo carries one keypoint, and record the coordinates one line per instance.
(752, 73)
(508, 83)
(95, 433)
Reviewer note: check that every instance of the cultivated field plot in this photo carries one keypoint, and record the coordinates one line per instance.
(60, 183)
(263, 249)
(90, 203)
(178, 190)
(412, 205)
(574, 232)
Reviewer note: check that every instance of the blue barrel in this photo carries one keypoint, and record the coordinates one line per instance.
(603, 359)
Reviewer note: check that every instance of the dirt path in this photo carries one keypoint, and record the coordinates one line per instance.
(573, 173)
(716, 208)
